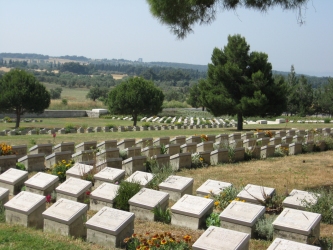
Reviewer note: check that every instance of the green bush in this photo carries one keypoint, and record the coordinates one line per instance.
(60, 169)
(213, 220)
(20, 166)
(68, 128)
(2, 213)
(264, 227)
(162, 215)
(125, 192)
(327, 120)
(109, 125)
(123, 154)
(160, 173)
(222, 200)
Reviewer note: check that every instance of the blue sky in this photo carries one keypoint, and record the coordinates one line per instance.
(126, 29)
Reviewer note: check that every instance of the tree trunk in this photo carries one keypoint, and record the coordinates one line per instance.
(18, 118)
(239, 121)
(135, 118)
(203, 108)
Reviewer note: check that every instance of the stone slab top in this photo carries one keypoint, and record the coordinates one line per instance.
(79, 169)
(299, 198)
(40, 146)
(105, 192)
(243, 213)
(57, 154)
(41, 155)
(110, 220)
(90, 151)
(133, 158)
(254, 193)
(3, 193)
(296, 221)
(73, 187)
(25, 202)
(106, 142)
(211, 239)
(193, 206)
(212, 186)
(140, 177)
(176, 183)
(86, 143)
(65, 211)
(41, 181)
(103, 151)
(109, 174)
(148, 198)
(282, 244)
(13, 176)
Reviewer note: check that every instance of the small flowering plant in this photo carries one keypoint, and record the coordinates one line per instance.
(197, 161)
(60, 169)
(204, 138)
(164, 241)
(6, 149)
(224, 198)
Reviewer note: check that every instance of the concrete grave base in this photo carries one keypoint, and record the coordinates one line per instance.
(76, 228)
(176, 195)
(97, 205)
(33, 219)
(190, 222)
(109, 240)
(44, 192)
(306, 239)
(238, 227)
(72, 198)
(146, 214)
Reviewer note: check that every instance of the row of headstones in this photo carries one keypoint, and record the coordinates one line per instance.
(137, 152)
(238, 219)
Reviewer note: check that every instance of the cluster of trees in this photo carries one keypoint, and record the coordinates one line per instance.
(55, 93)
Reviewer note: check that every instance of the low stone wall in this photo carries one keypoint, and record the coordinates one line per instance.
(51, 114)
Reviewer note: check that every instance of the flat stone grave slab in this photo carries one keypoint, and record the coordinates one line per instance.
(219, 156)
(143, 178)
(181, 160)
(151, 151)
(42, 183)
(88, 145)
(13, 179)
(298, 199)
(78, 171)
(107, 154)
(45, 149)
(133, 164)
(297, 225)
(26, 209)
(212, 187)
(55, 157)
(144, 142)
(143, 203)
(20, 150)
(85, 156)
(232, 240)
(66, 217)
(73, 189)
(4, 195)
(103, 196)
(177, 186)
(127, 143)
(132, 151)
(109, 175)
(255, 194)
(109, 227)
(107, 144)
(172, 149)
(34, 162)
(191, 211)
(64, 146)
(281, 244)
(111, 163)
(241, 216)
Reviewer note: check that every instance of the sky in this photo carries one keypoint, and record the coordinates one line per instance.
(125, 29)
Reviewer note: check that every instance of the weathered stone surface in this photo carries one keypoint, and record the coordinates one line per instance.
(13, 179)
(73, 189)
(109, 175)
(298, 199)
(42, 183)
(177, 186)
(64, 146)
(212, 186)
(232, 240)
(143, 178)
(182, 160)
(134, 164)
(255, 194)
(103, 195)
(281, 244)
(45, 149)
(34, 162)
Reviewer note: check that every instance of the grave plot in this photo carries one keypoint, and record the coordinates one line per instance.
(45, 149)
(255, 194)
(212, 187)
(20, 150)
(78, 171)
(127, 143)
(232, 240)
(267, 151)
(55, 157)
(7, 162)
(64, 146)
(109, 227)
(66, 217)
(219, 156)
(189, 147)
(151, 151)
(241, 216)
(173, 149)
(42, 183)
(133, 151)
(162, 141)
(163, 160)
(13, 180)
(35, 162)
(143, 178)
(133, 164)
(281, 244)
(177, 186)
(108, 153)
(73, 189)
(26, 209)
(4, 195)
(191, 211)
(109, 175)
(88, 145)
(181, 160)
(205, 146)
(298, 199)
(111, 163)
(103, 196)
(297, 225)
(85, 156)
(295, 148)
(143, 203)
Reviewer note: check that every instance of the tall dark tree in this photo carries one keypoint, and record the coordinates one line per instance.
(241, 83)
(21, 92)
(194, 98)
(292, 102)
(135, 96)
(326, 101)
(181, 16)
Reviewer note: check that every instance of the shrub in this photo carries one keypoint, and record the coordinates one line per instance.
(64, 102)
(109, 125)
(213, 220)
(68, 128)
(264, 227)
(125, 192)
(160, 173)
(6, 149)
(123, 154)
(197, 161)
(163, 149)
(281, 151)
(146, 124)
(60, 169)
(327, 120)
(162, 215)
(20, 166)
(223, 199)
(2, 213)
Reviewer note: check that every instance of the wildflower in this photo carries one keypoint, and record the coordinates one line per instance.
(63, 161)
(216, 203)
(206, 196)
(48, 198)
(201, 159)
(187, 238)
(163, 242)
(126, 240)
(59, 173)
(54, 135)
(88, 192)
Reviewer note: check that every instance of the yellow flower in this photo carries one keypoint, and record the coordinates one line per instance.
(207, 196)
(59, 173)
(216, 203)
(63, 161)
(163, 242)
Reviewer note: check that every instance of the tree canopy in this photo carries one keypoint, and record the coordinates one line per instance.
(21, 92)
(135, 96)
(181, 16)
(241, 83)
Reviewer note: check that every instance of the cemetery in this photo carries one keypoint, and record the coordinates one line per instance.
(56, 195)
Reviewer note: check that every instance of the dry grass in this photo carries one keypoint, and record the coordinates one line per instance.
(5, 69)
(118, 76)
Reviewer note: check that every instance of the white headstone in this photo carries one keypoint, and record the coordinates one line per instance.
(108, 174)
(73, 187)
(212, 186)
(282, 244)
(255, 194)
(105, 192)
(140, 177)
(13, 176)
(176, 183)
(148, 198)
(41, 181)
(25, 202)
